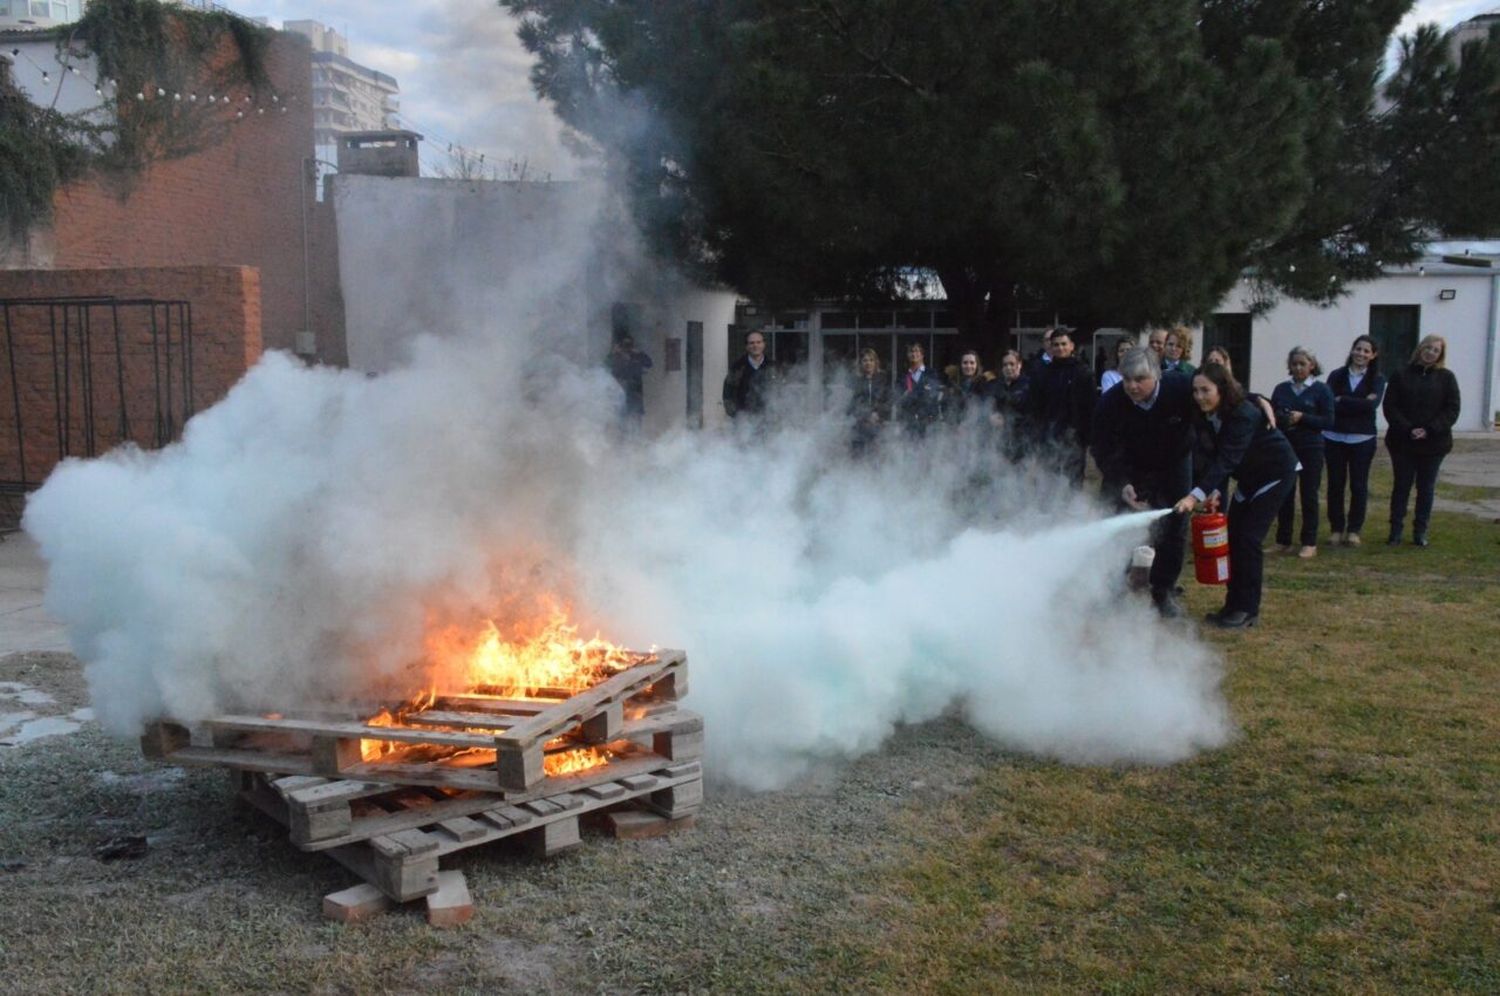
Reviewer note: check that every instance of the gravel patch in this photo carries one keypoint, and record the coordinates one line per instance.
(221, 901)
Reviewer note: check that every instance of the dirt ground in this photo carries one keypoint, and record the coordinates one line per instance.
(221, 901)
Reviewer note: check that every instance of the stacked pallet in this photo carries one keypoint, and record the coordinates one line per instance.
(464, 771)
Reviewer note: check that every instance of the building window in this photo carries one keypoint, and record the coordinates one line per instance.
(60, 11)
(40, 8)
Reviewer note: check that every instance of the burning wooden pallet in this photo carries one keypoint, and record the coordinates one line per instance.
(388, 799)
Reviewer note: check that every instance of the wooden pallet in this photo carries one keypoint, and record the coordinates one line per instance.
(396, 846)
(506, 740)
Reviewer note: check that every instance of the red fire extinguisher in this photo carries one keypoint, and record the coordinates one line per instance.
(1211, 548)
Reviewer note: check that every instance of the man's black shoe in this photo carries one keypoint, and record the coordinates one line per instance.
(1167, 605)
(1236, 620)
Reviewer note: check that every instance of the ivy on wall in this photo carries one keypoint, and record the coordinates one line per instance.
(163, 63)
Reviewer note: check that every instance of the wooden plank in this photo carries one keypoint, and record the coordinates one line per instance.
(636, 783)
(250, 760)
(470, 702)
(609, 790)
(679, 800)
(462, 828)
(450, 904)
(635, 824)
(333, 756)
(542, 807)
(291, 783)
(352, 731)
(571, 712)
(480, 720)
(553, 838)
(518, 766)
(390, 824)
(603, 726)
(359, 902)
(161, 740)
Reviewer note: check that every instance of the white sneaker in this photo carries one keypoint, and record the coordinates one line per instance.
(1351, 539)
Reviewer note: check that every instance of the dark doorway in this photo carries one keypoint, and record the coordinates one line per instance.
(1230, 331)
(694, 371)
(1395, 328)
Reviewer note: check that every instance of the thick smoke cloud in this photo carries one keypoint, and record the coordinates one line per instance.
(307, 532)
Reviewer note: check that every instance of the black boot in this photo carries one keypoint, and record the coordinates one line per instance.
(1166, 603)
(1395, 538)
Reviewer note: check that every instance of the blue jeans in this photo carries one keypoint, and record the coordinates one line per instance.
(1423, 471)
(1348, 462)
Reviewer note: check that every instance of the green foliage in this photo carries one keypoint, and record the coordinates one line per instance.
(157, 50)
(1132, 157)
(143, 47)
(40, 150)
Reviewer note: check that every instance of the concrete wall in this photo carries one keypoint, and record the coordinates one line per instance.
(1468, 322)
(81, 391)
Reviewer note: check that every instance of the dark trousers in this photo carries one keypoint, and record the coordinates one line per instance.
(1309, 480)
(1168, 533)
(1348, 462)
(1423, 471)
(1249, 521)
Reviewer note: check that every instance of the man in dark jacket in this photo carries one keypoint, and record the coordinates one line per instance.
(1062, 405)
(747, 385)
(628, 365)
(1143, 444)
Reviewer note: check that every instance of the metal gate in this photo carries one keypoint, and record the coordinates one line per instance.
(85, 374)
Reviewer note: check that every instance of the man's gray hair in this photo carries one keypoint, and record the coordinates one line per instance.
(1138, 362)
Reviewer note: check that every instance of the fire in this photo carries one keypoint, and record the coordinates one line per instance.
(549, 663)
(546, 665)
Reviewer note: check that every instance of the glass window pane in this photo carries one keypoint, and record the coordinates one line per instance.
(39, 8)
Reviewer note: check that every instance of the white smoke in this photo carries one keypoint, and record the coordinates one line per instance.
(307, 531)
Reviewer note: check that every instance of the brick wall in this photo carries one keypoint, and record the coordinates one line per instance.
(74, 377)
(237, 203)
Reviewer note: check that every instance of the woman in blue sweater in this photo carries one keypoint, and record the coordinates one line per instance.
(1304, 408)
(1350, 445)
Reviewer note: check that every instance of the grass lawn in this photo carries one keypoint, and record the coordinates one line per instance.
(1348, 841)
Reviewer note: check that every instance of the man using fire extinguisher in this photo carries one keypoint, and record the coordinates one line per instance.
(1143, 444)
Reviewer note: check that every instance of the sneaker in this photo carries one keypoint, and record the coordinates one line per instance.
(1334, 539)
(1418, 539)
(1283, 548)
(1351, 539)
(1214, 616)
(1307, 552)
(1395, 538)
(1236, 620)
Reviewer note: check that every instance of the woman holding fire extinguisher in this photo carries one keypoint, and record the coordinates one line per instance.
(1235, 441)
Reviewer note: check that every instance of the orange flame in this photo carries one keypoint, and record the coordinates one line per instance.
(549, 664)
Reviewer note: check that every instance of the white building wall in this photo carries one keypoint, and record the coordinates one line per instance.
(1468, 322)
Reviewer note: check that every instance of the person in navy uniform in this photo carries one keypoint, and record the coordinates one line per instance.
(923, 393)
(1304, 408)
(1234, 440)
(1143, 444)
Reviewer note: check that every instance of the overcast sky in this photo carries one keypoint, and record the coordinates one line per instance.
(463, 74)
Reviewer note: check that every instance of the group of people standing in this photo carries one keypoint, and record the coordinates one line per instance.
(1157, 431)
(1166, 435)
(1047, 408)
